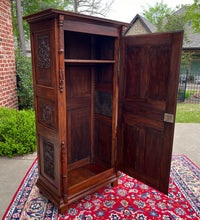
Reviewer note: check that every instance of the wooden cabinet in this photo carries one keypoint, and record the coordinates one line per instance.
(103, 103)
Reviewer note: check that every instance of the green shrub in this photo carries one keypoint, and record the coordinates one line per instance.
(17, 132)
(24, 81)
(189, 93)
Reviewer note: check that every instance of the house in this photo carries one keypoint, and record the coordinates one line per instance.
(8, 84)
(141, 25)
(192, 47)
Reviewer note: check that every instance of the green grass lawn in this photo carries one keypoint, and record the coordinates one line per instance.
(188, 113)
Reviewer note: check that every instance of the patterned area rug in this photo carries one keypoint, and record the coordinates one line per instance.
(131, 199)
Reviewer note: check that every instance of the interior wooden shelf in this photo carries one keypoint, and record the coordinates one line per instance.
(78, 61)
(83, 173)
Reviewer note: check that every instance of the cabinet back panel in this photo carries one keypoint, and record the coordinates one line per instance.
(77, 45)
(104, 74)
(78, 81)
(104, 78)
(103, 103)
(80, 134)
(78, 95)
(104, 48)
(103, 140)
(88, 46)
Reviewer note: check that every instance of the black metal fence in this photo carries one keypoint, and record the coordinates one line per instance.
(189, 88)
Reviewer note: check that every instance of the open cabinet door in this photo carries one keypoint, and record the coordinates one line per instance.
(148, 84)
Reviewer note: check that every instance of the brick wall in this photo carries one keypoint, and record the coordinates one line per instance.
(8, 93)
(137, 28)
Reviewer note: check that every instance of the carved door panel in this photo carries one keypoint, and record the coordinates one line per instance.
(45, 72)
(148, 86)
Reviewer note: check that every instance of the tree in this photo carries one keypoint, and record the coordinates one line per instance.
(26, 7)
(21, 32)
(157, 14)
(174, 22)
(92, 7)
(165, 19)
(193, 14)
(20, 27)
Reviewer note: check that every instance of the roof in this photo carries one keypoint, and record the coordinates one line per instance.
(193, 38)
(147, 24)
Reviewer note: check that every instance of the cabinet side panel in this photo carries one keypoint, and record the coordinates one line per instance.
(44, 59)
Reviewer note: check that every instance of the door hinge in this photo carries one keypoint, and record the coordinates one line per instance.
(168, 118)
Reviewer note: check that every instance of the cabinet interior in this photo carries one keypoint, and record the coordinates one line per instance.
(89, 67)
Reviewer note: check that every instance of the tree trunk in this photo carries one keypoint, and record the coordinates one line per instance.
(40, 2)
(75, 5)
(20, 26)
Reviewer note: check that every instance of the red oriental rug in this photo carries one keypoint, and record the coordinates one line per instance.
(131, 199)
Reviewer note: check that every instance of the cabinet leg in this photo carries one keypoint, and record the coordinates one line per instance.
(40, 192)
(115, 183)
(62, 210)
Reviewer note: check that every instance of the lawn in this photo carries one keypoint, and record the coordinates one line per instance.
(188, 113)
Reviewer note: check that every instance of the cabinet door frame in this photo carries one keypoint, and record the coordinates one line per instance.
(147, 106)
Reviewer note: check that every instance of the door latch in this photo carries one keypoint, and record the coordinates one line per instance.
(168, 118)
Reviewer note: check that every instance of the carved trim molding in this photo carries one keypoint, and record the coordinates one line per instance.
(43, 51)
(61, 82)
(64, 175)
(60, 21)
(63, 151)
(49, 160)
(61, 50)
(60, 26)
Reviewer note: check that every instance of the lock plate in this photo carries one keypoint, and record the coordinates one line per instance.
(168, 118)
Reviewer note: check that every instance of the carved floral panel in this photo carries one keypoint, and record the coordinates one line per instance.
(43, 51)
(49, 161)
(43, 59)
(47, 113)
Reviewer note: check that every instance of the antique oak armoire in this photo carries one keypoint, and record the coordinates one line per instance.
(104, 103)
